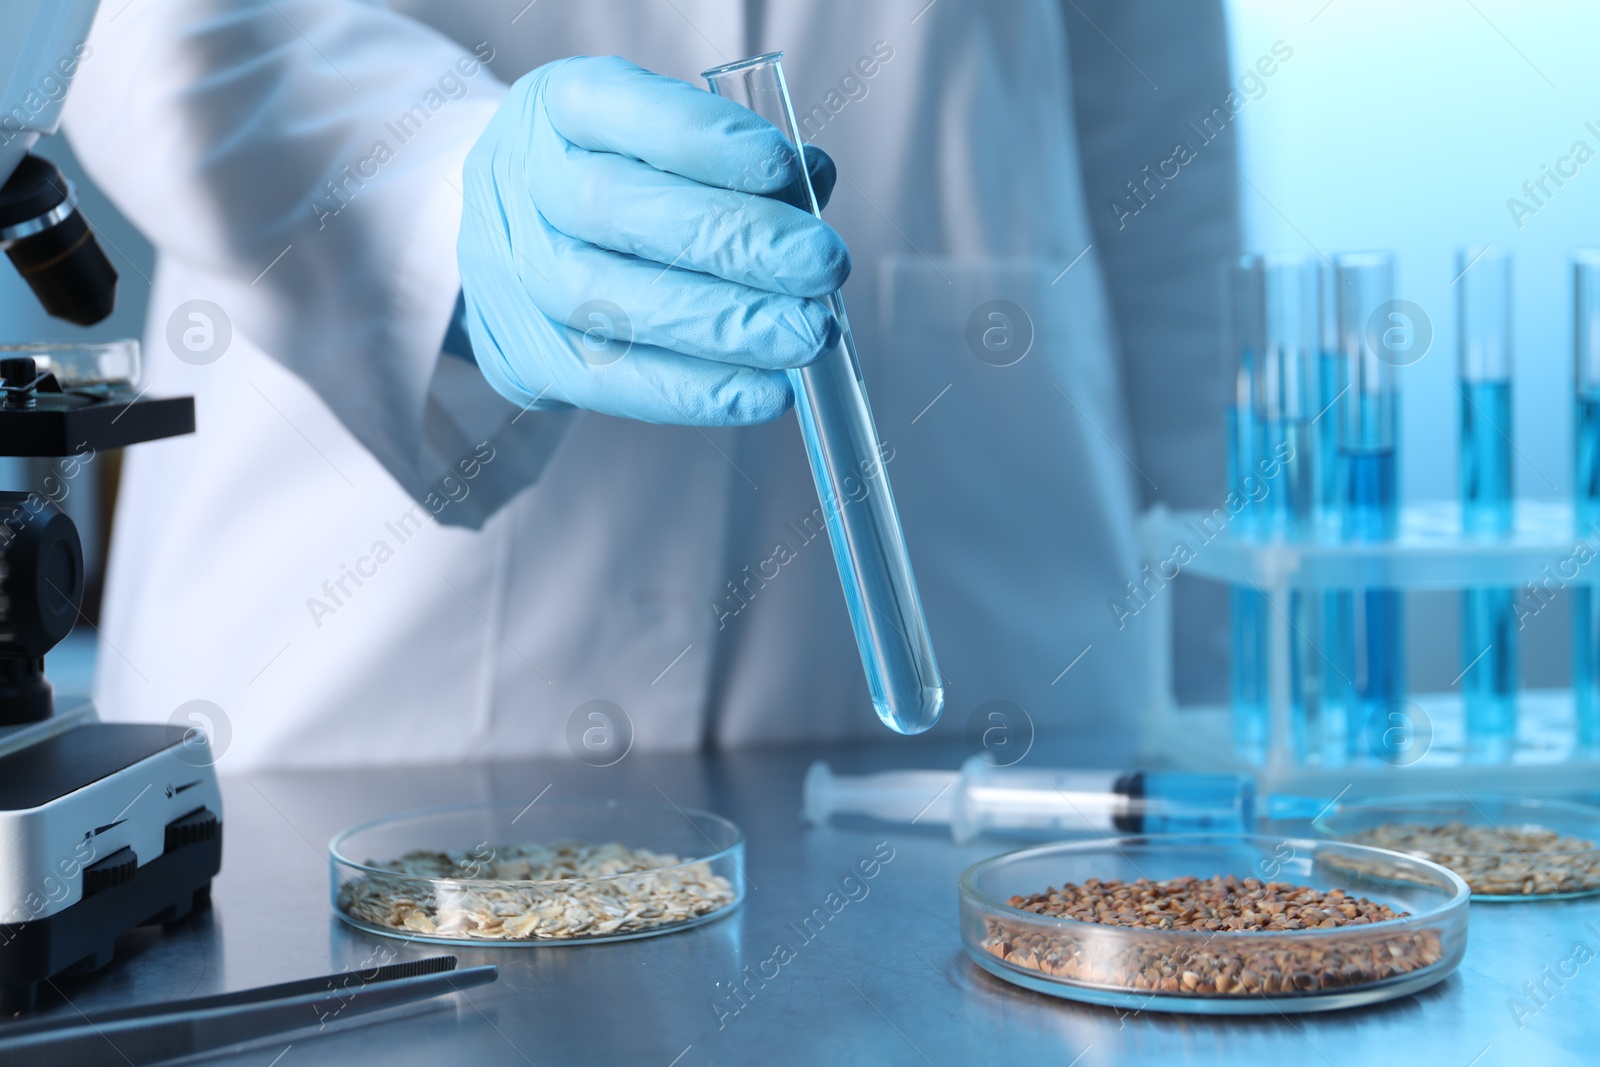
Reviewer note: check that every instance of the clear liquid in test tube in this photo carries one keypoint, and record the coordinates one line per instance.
(847, 464)
(1488, 616)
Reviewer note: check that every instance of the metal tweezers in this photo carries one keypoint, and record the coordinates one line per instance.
(154, 1033)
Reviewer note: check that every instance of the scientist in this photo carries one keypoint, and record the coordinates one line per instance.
(488, 345)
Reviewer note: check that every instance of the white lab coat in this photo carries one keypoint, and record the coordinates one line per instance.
(278, 562)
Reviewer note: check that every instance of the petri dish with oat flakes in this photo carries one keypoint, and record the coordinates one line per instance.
(1506, 848)
(557, 872)
(1123, 959)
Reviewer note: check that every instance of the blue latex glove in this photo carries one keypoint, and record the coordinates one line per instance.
(624, 249)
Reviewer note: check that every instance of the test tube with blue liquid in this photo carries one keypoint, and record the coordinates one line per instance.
(1488, 616)
(842, 444)
(1586, 503)
(1283, 395)
(1335, 685)
(1371, 332)
(1244, 337)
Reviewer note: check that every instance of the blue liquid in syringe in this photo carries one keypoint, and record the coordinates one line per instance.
(1378, 652)
(1488, 616)
(1586, 622)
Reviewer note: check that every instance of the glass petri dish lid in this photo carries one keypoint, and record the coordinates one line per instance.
(1505, 848)
(1227, 972)
(555, 872)
(86, 366)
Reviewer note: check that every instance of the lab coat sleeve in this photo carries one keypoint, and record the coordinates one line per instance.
(304, 156)
(1147, 75)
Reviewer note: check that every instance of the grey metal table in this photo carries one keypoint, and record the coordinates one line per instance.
(883, 981)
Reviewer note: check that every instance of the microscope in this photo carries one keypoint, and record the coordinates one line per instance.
(104, 827)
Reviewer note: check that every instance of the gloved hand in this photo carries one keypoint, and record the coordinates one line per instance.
(618, 253)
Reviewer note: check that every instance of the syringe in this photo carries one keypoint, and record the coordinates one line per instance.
(983, 798)
(848, 466)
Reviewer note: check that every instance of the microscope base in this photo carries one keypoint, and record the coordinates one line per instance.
(79, 812)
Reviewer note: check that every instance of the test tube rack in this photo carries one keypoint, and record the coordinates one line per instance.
(1429, 553)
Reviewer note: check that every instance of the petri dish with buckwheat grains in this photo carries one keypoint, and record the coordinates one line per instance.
(1215, 923)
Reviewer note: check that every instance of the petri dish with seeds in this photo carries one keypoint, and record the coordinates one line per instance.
(558, 872)
(1506, 848)
(1229, 924)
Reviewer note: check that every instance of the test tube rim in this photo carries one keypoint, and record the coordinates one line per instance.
(741, 64)
(1370, 258)
(1275, 259)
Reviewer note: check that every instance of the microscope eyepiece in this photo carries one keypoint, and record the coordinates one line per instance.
(51, 245)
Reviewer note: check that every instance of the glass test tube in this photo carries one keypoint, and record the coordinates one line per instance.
(848, 467)
(1488, 616)
(1336, 671)
(1283, 408)
(1244, 337)
(1586, 464)
(1371, 620)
